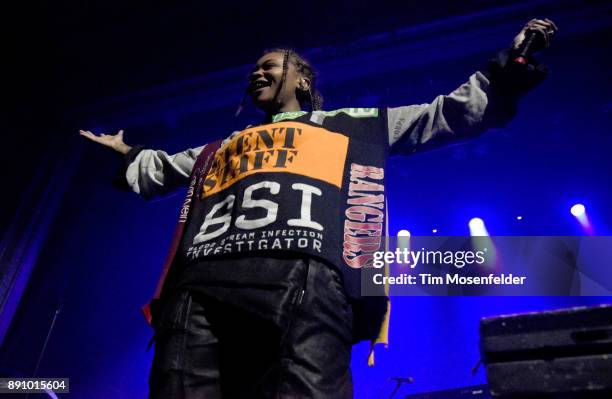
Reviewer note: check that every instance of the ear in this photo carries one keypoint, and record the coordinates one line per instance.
(303, 83)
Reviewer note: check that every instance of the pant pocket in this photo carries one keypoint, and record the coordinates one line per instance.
(171, 332)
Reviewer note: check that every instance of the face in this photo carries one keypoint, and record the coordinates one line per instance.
(265, 79)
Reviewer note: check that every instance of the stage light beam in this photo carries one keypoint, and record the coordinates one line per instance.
(403, 240)
(482, 241)
(579, 212)
(477, 228)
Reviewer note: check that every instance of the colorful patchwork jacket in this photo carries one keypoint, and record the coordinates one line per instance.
(313, 183)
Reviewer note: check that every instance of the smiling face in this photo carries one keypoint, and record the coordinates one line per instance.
(265, 80)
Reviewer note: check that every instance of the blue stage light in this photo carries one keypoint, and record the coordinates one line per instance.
(577, 210)
(477, 227)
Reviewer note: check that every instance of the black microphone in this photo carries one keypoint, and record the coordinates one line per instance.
(407, 380)
(534, 40)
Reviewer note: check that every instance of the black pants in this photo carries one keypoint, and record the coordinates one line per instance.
(207, 347)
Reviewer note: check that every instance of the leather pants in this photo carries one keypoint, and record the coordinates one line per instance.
(220, 345)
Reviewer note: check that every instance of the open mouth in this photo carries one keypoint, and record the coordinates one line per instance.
(258, 85)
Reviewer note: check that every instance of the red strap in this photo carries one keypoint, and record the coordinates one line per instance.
(200, 170)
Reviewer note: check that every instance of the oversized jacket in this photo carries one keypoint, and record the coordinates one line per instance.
(313, 182)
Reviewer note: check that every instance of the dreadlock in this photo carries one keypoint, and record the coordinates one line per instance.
(311, 97)
(284, 78)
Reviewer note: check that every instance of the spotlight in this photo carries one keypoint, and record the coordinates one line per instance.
(577, 210)
(476, 223)
(519, 218)
(434, 231)
(477, 227)
(481, 241)
(403, 240)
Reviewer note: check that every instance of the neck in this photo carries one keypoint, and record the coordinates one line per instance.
(291, 106)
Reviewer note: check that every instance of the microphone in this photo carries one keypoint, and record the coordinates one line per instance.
(534, 40)
(407, 380)
(398, 383)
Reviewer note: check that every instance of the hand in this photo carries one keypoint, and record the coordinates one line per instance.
(112, 141)
(546, 27)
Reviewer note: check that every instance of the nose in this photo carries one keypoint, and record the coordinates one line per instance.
(256, 74)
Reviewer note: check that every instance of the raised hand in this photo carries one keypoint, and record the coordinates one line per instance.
(545, 26)
(109, 140)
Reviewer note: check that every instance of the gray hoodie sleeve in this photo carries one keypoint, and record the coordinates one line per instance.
(152, 173)
(487, 100)
(419, 127)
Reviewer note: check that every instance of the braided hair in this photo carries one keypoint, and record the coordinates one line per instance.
(311, 97)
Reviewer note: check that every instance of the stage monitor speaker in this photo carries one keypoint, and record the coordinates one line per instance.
(475, 392)
(555, 354)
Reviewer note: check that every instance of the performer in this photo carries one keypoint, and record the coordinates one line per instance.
(260, 296)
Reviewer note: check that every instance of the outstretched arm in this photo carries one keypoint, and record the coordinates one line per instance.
(147, 172)
(487, 100)
(153, 173)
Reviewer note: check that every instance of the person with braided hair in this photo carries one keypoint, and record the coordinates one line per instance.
(306, 95)
(260, 296)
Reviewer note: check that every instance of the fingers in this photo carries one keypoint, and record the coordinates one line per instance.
(549, 26)
(552, 24)
(546, 27)
(88, 134)
(105, 139)
(92, 136)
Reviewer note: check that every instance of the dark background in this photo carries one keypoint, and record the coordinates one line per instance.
(171, 74)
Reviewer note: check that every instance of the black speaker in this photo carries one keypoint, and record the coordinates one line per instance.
(475, 392)
(556, 354)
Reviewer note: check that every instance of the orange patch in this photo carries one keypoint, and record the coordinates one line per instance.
(288, 147)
